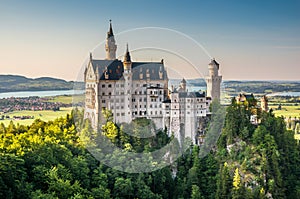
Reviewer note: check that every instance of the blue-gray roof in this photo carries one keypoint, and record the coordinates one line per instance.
(191, 94)
(115, 69)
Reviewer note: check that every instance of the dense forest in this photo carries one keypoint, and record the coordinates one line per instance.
(50, 160)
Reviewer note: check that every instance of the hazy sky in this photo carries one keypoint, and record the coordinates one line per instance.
(251, 39)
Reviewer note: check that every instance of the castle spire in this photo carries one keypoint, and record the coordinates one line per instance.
(110, 32)
(127, 57)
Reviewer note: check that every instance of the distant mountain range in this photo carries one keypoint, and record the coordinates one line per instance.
(250, 86)
(12, 83)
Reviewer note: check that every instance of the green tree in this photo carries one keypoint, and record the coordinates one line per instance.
(196, 194)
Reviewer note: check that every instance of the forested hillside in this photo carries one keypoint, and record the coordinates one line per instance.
(11, 83)
(49, 160)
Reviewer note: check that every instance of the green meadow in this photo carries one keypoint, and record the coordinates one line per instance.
(67, 99)
(45, 115)
(287, 110)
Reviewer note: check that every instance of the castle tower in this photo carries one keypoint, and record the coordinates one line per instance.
(127, 61)
(175, 115)
(213, 81)
(127, 85)
(183, 85)
(110, 45)
(264, 103)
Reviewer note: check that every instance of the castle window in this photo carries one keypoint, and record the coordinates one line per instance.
(118, 114)
(109, 93)
(145, 92)
(145, 99)
(109, 85)
(103, 93)
(103, 101)
(150, 112)
(122, 100)
(122, 85)
(117, 85)
(150, 105)
(141, 99)
(160, 112)
(160, 92)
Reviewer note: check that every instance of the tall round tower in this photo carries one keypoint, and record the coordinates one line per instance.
(127, 74)
(213, 81)
(110, 45)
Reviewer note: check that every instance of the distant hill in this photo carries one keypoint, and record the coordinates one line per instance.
(12, 83)
(263, 87)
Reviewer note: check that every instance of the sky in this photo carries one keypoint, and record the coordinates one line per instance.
(251, 39)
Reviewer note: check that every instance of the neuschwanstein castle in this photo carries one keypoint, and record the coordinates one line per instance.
(140, 90)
